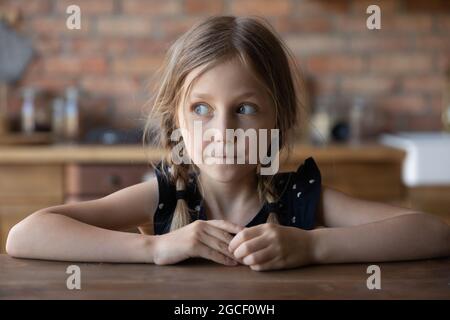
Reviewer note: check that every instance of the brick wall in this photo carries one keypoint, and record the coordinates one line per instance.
(399, 69)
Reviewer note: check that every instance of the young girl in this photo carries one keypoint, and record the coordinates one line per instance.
(228, 73)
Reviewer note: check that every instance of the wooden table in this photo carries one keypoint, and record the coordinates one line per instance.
(201, 279)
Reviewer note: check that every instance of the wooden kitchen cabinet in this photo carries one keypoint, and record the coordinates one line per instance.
(25, 189)
(93, 181)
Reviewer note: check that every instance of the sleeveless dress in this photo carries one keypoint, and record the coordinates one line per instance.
(299, 197)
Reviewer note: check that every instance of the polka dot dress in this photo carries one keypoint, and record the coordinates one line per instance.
(299, 197)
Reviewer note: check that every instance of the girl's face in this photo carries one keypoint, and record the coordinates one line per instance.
(225, 97)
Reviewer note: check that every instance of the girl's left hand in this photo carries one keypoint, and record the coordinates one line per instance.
(271, 246)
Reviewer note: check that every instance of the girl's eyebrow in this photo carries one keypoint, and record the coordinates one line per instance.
(207, 95)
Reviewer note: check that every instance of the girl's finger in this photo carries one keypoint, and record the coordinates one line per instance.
(226, 225)
(216, 244)
(244, 235)
(218, 233)
(251, 246)
(268, 265)
(260, 257)
(209, 253)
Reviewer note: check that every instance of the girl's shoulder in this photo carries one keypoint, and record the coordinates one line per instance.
(299, 194)
(304, 178)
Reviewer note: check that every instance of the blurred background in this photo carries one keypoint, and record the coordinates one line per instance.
(73, 102)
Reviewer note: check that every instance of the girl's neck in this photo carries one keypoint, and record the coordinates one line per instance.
(235, 201)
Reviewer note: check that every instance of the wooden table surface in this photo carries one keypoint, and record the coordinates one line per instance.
(201, 279)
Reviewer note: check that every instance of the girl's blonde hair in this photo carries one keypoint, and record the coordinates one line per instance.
(253, 41)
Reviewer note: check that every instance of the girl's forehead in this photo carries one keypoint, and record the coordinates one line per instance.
(230, 74)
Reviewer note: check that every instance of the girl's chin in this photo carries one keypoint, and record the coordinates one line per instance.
(225, 161)
(226, 172)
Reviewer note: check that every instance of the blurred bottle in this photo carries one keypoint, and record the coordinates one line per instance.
(28, 111)
(356, 120)
(321, 122)
(446, 102)
(3, 109)
(58, 120)
(72, 115)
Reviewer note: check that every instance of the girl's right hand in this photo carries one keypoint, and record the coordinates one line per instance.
(207, 239)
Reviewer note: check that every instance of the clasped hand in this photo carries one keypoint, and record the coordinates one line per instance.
(266, 246)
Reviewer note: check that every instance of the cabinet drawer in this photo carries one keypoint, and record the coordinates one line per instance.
(28, 182)
(100, 180)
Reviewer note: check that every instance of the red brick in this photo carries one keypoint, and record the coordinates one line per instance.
(443, 24)
(442, 61)
(137, 65)
(108, 46)
(75, 65)
(426, 83)
(50, 82)
(417, 23)
(376, 42)
(321, 7)
(430, 122)
(308, 44)
(93, 65)
(409, 103)
(124, 26)
(367, 84)
(62, 65)
(33, 70)
(148, 47)
(110, 85)
(326, 84)
(261, 7)
(86, 6)
(407, 63)
(335, 64)
(171, 29)
(203, 6)
(422, 6)
(151, 7)
(131, 106)
(386, 6)
(47, 45)
(26, 8)
(307, 24)
(393, 23)
(437, 104)
(352, 24)
(57, 25)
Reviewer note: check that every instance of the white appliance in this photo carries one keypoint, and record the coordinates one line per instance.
(427, 159)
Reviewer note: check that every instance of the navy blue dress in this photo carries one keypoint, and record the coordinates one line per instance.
(299, 197)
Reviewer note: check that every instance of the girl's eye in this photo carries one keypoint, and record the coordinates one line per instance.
(247, 109)
(201, 109)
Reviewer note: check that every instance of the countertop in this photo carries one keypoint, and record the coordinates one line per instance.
(139, 154)
(202, 279)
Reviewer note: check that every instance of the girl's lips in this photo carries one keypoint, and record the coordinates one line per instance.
(223, 159)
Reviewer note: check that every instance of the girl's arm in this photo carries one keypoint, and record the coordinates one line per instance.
(89, 230)
(356, 231)
(363, 231)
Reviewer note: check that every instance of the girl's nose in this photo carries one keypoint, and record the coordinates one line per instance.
(222, 122)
